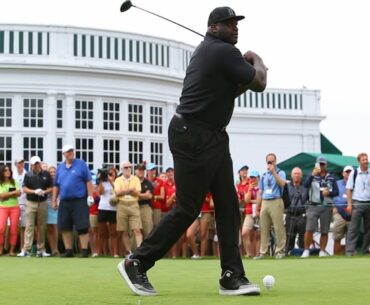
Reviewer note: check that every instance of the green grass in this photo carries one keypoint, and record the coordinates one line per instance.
(49, 281)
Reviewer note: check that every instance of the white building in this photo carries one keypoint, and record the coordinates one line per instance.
(112, 95)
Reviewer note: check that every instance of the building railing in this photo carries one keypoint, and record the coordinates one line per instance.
(95, 47)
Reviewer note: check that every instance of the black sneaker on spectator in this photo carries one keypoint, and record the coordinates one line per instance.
(237, 285)
(68, 253)
(136, 280)
(84, 253)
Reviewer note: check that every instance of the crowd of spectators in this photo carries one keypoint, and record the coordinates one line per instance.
(67, 210)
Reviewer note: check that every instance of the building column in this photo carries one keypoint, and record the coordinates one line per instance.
(69, 119)
(50, 121)
(17, 125)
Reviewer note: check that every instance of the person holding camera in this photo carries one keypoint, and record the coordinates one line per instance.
(107, 214)
(37, 185)
(271, 210)
(295, 221)
(9, 207)
(322, 188)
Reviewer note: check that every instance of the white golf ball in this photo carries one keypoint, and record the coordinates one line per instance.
(268, 281)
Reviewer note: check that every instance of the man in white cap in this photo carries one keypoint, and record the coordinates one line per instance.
(340, 215)
(37, 185)
(74, 187)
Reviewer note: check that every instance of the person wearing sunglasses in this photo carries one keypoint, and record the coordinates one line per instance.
(127, 188)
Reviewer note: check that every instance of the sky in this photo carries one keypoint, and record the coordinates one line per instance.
(317, 44)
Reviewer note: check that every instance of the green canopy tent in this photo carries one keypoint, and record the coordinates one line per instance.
(306, 161)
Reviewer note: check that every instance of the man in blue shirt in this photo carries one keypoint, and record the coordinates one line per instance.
(272, 209)
(74, 187)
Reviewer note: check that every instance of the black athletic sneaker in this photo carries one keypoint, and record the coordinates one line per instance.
(68, 253)
(84, 253)
(135, 279)
(233, 285)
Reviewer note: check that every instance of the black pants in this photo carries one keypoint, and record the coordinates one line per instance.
(202, 163)
(295, 224)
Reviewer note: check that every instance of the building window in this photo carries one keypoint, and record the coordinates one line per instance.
(85, 151)
(84, 114)
(123, 49)
(59, 113)
(2, 42)
(33, 146)
(108, 47)
(156, 119)
(11, 42)
(30, 43)
(250, 95)
(6, 150)
(111, 117)
(5, 112)
(59, 150)
(83, 45)
(135, 152)
(135, 118)
(33, 112)
(20, 42)
(92, 46)
(100, 47)
(111, 152)
(156, 154)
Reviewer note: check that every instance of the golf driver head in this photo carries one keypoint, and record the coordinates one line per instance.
(126, 6)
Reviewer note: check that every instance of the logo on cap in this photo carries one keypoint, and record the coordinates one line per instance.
(231, 12)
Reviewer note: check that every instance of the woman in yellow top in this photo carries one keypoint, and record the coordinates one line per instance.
(9, 207)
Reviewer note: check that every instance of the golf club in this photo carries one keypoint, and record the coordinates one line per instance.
(128, 4)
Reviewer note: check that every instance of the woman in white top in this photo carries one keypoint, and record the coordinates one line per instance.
(107, 219)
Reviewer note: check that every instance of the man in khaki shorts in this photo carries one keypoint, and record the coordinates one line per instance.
(145, 197)
(127, 188)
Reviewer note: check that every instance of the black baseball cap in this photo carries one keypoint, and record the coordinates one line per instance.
(140, 166)
(244, 167)
(221, 14)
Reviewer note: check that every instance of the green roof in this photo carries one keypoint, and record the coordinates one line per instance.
(306, 161)
(328, 147)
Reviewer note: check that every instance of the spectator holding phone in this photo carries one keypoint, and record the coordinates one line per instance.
(322, 188)
(9, 207)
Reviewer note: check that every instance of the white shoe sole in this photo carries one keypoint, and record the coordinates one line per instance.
(122, 272)
(248, 290)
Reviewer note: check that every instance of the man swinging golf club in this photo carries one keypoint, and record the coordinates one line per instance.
(216, 75)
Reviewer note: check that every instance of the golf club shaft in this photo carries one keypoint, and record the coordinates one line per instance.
(195, 32)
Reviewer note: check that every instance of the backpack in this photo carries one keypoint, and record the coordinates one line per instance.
(354, 178)
(285, 196)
